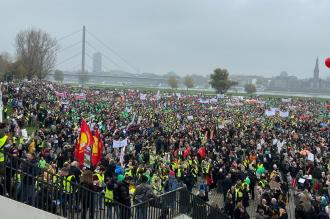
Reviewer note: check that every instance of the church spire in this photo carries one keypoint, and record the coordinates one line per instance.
(316, 69)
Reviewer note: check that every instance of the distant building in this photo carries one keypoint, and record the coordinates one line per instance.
(316, 77)
(285, 82)
(97, 62)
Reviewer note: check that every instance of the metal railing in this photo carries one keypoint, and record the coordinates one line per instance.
(25, 182)
(175, 203)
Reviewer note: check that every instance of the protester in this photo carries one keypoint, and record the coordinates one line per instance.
(246, 150)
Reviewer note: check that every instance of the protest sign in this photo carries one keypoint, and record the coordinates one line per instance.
(119, 143)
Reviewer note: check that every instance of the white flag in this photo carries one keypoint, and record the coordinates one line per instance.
(284, 114)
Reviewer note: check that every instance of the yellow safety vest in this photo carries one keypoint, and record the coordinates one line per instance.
(238, 193)
(108, 197)
(17, 177)
(179, 173)
(263, 183)
(128, 172)
(54, 180)
(3, 140)
(67, 184)
(246, 163)
(100, 177)
(131, 189)
(154, 182)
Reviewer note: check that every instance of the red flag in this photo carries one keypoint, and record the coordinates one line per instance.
(186, 152)
(97, 149)
(85, 140)
(202, 152)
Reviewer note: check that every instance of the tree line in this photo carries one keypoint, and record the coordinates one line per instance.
(36, 52)
(35, 56)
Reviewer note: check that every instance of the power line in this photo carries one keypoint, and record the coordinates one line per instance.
(68, 59)
(107, 58)
(76, 67)
(67, 36)
(68, 47)
(101, 42)
(104, 67)
(89, 67)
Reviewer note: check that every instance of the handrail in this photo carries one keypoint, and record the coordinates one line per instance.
(53, 197)
(159, 196)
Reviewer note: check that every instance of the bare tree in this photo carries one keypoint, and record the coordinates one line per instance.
(37, 51)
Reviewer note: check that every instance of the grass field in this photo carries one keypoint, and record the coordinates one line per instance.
(194, 91)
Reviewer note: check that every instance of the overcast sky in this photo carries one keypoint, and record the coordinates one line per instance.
(261, 37)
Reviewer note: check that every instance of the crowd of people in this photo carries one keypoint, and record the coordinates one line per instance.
(228, 145)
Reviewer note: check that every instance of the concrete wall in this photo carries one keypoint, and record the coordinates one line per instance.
(12, 209)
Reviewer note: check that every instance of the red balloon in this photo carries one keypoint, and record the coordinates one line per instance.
(327, 62)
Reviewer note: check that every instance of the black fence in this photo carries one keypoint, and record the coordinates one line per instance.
(27, 183)
(175, 203)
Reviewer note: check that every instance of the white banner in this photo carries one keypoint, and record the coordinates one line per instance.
(220, 96)
(213, 100)
(270, 112)
(203, 100)
(190, 117)
(143, 96)
(286, 100)
(122, 153)
(284, 114)
(119, 144)
(24, 133)
(139, 120)
(310, 156)
(158, 95)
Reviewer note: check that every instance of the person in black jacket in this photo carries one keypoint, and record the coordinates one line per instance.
(123, 197)
(30, 171)
(110, 170)
(87, 195)
(226, 185)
